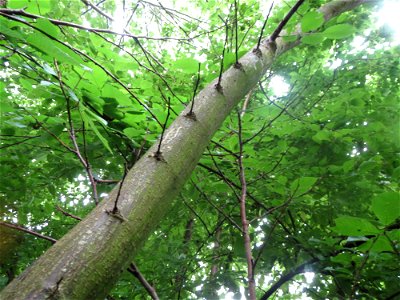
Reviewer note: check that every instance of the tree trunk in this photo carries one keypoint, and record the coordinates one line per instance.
(88, 260)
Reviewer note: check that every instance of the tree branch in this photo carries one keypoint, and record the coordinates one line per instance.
(133, 269)
(31, 232)
(282, 24)
(65, 213)
(21, 12)
(288, 276)
(243, 216)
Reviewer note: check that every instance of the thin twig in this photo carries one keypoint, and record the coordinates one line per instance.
(65, 213)
(89, 4)
(263, 27)
(216, 207)
(191, 113)
(236, 32)
(246, 103)
(133, 269)
(17, 143)
(115, 208)
(31, 232)
(89, 9)
(197, 215)
(357, 272)
(218, 86)
(245, 222)
(72, 134)
(158, 154)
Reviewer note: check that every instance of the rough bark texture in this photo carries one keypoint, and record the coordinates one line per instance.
(87, 261)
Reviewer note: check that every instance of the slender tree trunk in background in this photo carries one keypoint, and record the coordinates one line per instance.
(86, 262)
(180, 276)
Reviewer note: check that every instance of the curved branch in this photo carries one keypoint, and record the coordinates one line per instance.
(288, 276)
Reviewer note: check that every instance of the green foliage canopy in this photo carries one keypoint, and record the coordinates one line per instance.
(78, 106)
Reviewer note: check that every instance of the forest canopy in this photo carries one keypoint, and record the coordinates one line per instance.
(296, 196)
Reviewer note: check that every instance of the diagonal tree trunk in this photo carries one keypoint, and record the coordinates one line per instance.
(86, 262)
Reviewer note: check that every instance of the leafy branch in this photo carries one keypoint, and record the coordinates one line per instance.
(21, 12)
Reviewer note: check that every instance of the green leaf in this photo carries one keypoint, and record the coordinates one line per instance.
(348, 165)
(353, 226)
(382, 244)
(86, 118)
(110, 91)
(313, 39)
(187, 65)
(9, 32)
(133, 120)
(342, 258)
(289, 38)
(321, 136)
(133, 132)
(58, 51)
(48, 69)
(340, 31)
(386, 207)
(311, 21)
(48, 27)
(302, 185)
(35, 7)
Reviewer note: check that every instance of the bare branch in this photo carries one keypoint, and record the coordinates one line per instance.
(31, 232)
(91, 5)
(65, 213)
(133, 269)
(72, 134)
(243, 216)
